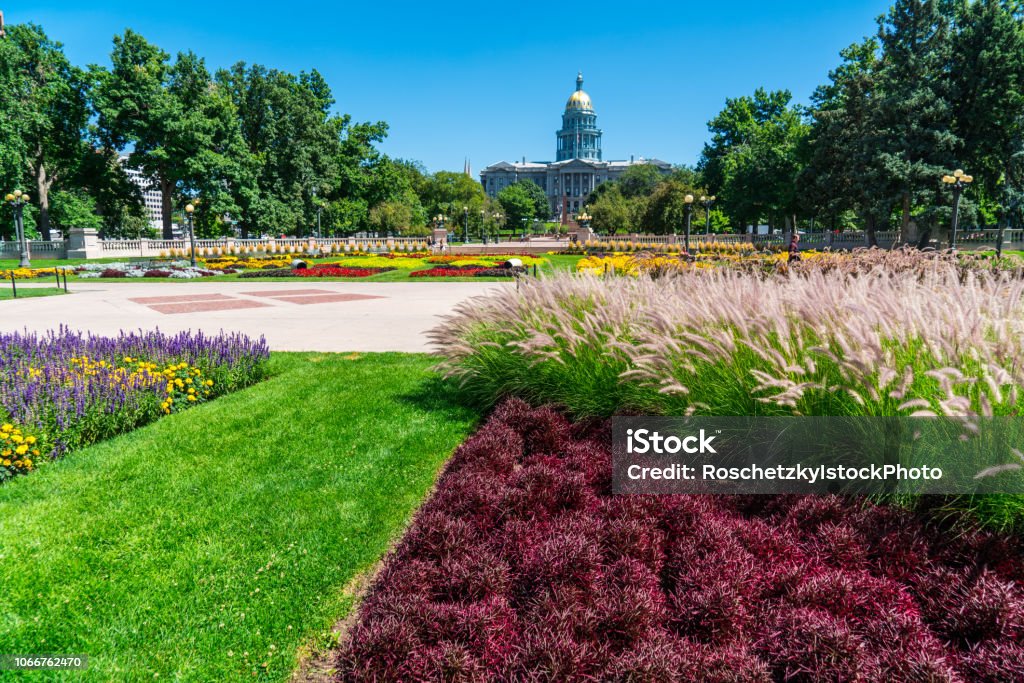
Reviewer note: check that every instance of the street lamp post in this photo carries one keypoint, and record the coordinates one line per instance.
(465, 210)
(18, 200)
(688, 200)
(497, 227)
(483, 227)
(189, 209)
(707, 202)
(958, 181)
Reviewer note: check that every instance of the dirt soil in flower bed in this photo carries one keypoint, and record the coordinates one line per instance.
(524, 566)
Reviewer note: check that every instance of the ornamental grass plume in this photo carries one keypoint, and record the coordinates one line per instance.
(928, 337)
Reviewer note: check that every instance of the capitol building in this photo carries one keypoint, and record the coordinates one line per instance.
(578, 167)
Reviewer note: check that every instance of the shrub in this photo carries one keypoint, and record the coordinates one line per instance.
(532, 569)
(114, 272)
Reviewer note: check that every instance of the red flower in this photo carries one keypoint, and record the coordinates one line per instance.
(448, 271)
(337, 271)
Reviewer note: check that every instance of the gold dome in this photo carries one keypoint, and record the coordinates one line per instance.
(579, 100)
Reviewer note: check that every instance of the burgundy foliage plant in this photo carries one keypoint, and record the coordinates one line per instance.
(524, 566)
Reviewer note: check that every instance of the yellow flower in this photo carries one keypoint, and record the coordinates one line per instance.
(6, 427)
(209, 382)
(21, 450)
(191, 397)
(30, 440)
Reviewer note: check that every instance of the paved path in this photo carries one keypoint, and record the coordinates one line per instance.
(301, 316)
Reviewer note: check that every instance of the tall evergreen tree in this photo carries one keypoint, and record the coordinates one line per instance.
(988, 93)
(844, 175)
(917, 142)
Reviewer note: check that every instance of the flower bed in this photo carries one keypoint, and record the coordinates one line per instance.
(524, 566)
(31, 273)
(769, 263)
(68, 390)
(179, 270)
(325, 270)
(339, 271)
(449, 271)
(270, 272)
(486, 260)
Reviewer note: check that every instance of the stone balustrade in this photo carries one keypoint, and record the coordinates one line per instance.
(86, 244)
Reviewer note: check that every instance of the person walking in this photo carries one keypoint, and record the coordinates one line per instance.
(794, 247)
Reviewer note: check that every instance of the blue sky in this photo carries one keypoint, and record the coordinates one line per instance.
(489, 80)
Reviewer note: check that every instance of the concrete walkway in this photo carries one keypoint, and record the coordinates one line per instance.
(299, 316)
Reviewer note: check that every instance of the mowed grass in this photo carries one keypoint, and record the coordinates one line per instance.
(216, 544)
(27, 292)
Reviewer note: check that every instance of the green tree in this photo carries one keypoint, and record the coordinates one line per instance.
(639, 180)
(754, 157)
(519, 202)
(988, 92)
(447, 192)
(917, 144)
(45, 107)
(844, 174)
(73, 209)
(183, 130)
(393, 217)
(666, 209)
(610, 211)
(541, 205)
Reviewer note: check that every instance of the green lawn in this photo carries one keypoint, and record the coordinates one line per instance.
(27, 292)
(216, 543)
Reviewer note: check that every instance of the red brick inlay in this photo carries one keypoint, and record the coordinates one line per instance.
(274, 293)
(204, 306)
(178, 299)
(325, 299)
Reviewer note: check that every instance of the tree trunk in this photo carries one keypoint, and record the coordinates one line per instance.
(905, 219)
(43, 184)
(869, 230)
(166, 206)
